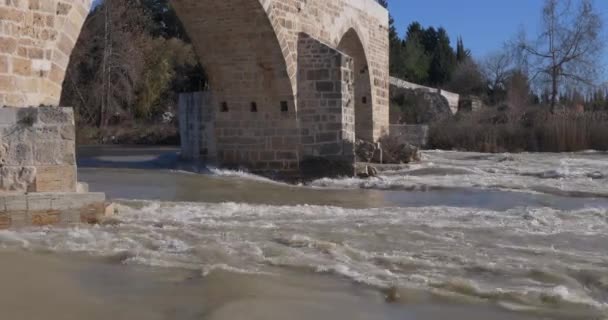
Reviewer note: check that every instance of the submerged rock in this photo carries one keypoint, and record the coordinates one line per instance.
(596, 175)
(389, 150)
(366, 151)
(395, 151)
(367, 171)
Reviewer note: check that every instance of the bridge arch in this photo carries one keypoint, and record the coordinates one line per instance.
(240, 51)
(352, 45)
(250, 51)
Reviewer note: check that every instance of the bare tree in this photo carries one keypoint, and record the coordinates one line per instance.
(107, 62)
(496, 68)
(568, 46)
(467, 78)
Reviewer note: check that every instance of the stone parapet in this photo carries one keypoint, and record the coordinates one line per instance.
(452, 98)
(37, 150)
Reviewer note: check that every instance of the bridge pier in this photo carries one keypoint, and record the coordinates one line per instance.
(38, 177)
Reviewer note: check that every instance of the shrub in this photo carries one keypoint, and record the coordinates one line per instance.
(493, 130)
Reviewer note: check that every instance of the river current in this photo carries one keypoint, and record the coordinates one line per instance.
(526, 234)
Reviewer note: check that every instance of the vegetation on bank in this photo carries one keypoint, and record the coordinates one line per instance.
(131, 61)
(533, 130)
(540, 93)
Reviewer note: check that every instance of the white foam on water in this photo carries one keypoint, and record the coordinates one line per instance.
(241, 174)
(577, 174)
(424, 248)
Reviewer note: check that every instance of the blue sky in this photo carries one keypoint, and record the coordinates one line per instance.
(484, 24)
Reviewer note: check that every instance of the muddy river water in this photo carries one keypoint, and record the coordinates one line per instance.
(461, 235)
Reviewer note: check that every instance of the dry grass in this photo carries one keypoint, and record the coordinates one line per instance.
(532, 130)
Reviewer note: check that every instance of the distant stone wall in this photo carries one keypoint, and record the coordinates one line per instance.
(36, 41)
(325, 95)
(416, 135)
(453, 98)
(37, 150)
(470, 104)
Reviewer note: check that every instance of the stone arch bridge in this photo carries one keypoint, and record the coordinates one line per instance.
(290, 80)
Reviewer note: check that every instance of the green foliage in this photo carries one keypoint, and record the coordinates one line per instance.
(163, 58)
(462, 54)
(425, 55)
(416, 63)
(130, 62)
(443, 59)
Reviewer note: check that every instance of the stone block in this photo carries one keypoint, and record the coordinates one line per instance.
(92, 213)
(27, 117)
(67, 132)
(64, 202)
(55, 115)
(47, 153)
(4, 64)
(60, 178)
(18, 219)
(41, 209)
(38, 202)
(19, 154)
(15, 202)
(44, 218)
(8, 116)
(22, 67)
(7, 83)
(7, 45)
(5, 221)
(16, 178)
(82, 187)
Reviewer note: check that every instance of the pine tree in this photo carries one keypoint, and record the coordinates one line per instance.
(462, 54)
(395, 44)
(443, 58)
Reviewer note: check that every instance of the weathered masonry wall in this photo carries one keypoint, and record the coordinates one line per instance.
(213, 136)
(453, 98)
(329, 22)
(41, 209)
(325, 95)
(37, 150)
(36, 40)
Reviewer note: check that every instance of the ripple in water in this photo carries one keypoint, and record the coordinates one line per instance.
(535, 259)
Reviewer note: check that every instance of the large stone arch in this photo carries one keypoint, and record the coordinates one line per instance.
(240, 50)
(351, 45)
(328, 21)
(238, 47)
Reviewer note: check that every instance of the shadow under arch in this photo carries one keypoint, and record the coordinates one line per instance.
(351, 45)
(251, 94)
(238, 47)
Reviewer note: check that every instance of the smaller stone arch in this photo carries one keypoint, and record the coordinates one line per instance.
(351, 45)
